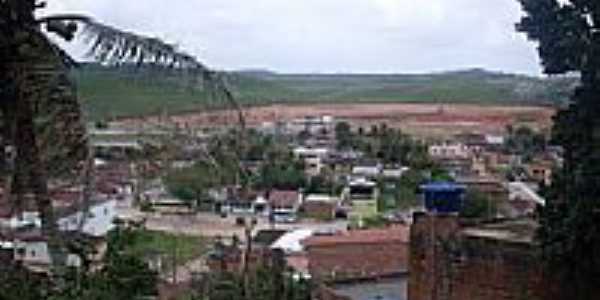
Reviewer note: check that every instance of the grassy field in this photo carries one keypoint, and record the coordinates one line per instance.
(109, 93)
(186, 247)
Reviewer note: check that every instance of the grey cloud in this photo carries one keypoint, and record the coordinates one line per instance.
(330, 35)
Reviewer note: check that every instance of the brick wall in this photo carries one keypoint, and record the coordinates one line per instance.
(458, 267)
(422, 256)
(356, 261)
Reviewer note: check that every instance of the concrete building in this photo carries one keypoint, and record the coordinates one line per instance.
(25, 240)
(20, 227)
(96, 223)
(370, 170)
(449, 150)
(284, 205)
(313, 158)
(314, 125)
(361, 195)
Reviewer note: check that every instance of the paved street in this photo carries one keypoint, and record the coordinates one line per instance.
(211, 225)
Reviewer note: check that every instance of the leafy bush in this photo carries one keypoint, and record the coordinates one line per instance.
(478, 205)
(375, 222)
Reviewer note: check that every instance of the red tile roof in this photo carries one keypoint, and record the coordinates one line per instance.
(370, 236)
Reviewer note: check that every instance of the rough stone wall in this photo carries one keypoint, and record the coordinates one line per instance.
(357, 261)
(455, 267)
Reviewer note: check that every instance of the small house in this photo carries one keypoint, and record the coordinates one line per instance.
(313, 159)
(284, 205)
(540, 171)
(362, 196)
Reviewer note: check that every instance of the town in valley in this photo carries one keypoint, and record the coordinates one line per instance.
(356, 172)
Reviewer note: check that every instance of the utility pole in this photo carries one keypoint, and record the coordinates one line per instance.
(174, 261)
(248, 227)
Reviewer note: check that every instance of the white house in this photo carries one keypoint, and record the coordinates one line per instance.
(312, 124)
(305, 152)
(284, 205)
(96, 223)
(19, 220)
(495, 140)
(313, 158)
(449, 150)
(369, 171)
(31, 247)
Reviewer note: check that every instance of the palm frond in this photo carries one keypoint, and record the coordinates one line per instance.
(114, 46)
(111, 45)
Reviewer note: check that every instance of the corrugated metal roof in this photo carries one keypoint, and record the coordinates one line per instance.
(292, 241)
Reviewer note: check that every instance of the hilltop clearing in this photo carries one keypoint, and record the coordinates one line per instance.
(422, 119)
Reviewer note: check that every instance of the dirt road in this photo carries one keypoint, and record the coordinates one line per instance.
(211, 225)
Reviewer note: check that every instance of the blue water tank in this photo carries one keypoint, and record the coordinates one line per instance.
(443, 197)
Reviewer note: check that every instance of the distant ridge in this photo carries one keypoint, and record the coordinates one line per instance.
(112, 92)
(255, 72)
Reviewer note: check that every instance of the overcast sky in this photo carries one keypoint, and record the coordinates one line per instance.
(392, 36)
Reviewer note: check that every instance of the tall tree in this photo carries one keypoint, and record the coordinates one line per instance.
(34, 81)
(568, 35)
(343, 135)
(192, 183)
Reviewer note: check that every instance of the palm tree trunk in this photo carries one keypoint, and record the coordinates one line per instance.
(28, 160)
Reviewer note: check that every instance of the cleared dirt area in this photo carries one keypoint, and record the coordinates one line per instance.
(421, 119)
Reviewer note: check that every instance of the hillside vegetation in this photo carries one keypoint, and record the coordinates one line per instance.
(111, 92)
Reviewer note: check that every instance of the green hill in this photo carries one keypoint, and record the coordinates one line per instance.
(111, 92)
